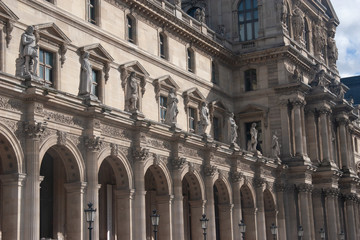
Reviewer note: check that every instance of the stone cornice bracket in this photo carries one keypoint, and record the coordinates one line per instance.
(305, 187)
(94, 142)
(34, 129)
(209, 170)
(140, 154)
(236, 176)
(62, 137)
(8, 30)
(178, 162)
(63, 49)
(114, 148)
(8, 17)
(259, 182)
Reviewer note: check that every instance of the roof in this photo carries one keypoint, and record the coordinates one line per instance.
(354, 84)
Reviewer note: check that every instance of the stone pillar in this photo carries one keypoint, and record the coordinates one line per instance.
(164, 209)
(291, 213)
(298, 130)
(178, 209)
(226, 223)
(285, 131)
(281, 221)
(350, 201)
(124, 214)
(260, 218)
(304, 209)
(75, 210)
(344, 144)
(318, 210)
(251, 223)
(312, 136)
(324, 135)
(237, 215)
(12, 189)
(331, 195)
(210, 208)
(34, 130)
(93, 145)
(139, 232)
(197, 209)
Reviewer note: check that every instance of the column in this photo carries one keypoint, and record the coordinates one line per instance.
(197, 209)
(285, 130)
(311, 132)
(75, 210)
(164, 208)
(331, 195)
(344, 144)
(324, 135)
(304, 209)
(260, 218)
(12, 202)
(237, 215)
(178, 209)
(318, 210)
(226, 223)
(350, 216)
(210, 208)
(124, 213)
(281, 221)
(291, 212)
(298, 131)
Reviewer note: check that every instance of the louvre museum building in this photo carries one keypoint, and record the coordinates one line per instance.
(229, 111)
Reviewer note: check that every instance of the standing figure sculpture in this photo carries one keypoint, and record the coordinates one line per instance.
(172, 108)
(298, 24)
(275, 147)
(28, 53)
(85, 75)
(233, 129)
(204, 118)
(332, 49)
(200, 15)
(252, 143)
(133, 93)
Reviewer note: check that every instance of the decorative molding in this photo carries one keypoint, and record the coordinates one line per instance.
(93, 142)
(140, 154)
(209, 170)
(62, 138)
(11, 104)
(63, 118)
(34, 129)
(115, 132)
(236, 176)
(178, 162)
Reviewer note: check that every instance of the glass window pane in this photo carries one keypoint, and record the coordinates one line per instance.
(94, 77)
(241, 6)
(48, 58)
(242, 32)
(47, 74)
(249, 31)
(248, 4)
(41, 56)
(41, 72)
(241, 17)
(248, 16)
(255, 4)
(256, 14)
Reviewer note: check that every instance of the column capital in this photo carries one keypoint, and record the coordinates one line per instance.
(178, 162)
(94, 142)
(259, 182)
(75, 187)
(13, 179)
(34, 129)
(209, 170)
(140, 154)
(305, 187)
(331, 192)
(324, 110)
(352, 197)
(236, 176)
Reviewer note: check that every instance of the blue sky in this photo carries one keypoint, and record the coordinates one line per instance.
(348, 36)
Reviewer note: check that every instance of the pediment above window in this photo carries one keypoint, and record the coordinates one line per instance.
(164, 83)
(217, 106)
(8, 18)
(194, 94)
(6, 13)
(140, 73)
(255, 111)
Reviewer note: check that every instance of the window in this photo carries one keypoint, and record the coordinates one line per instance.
(192, 119)
(250, 80)
(190, 60)
(162, 45)
(259, 137)
(248, 20)
(130, 29)
(307, 35)
(216, 128)
(46, 64)
(214, 77)
(163, 106)
(95, 83)
(356, 145)
(92, 11)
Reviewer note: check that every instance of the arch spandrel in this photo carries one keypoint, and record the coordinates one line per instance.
(71, 156)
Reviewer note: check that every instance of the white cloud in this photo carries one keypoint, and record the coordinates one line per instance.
(348, 36)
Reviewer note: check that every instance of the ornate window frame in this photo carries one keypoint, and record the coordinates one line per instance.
(247, 82)
(193, 98)
(254, 21)
(163, 44)
(97, 7)
(218, 109)
(100, 61)
(130, 15)
(190, 59)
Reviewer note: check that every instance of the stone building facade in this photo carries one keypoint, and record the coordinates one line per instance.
(230, 108)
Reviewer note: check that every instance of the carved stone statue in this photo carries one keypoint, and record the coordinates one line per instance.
(252, 143)
(284, 13)
(28, 49)
(233, 129)
(332, 49)
(172, 108)
(319, 38)
(319, 79)
(298, 24)
(85, 75)
(204, 118)
(275, 146)
(297, 76)
(133, 92)
(200, 15)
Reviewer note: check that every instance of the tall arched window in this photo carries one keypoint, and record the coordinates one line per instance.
(307, 35)
(248, 20)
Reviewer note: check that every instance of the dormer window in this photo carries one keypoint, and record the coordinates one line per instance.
(248, 20)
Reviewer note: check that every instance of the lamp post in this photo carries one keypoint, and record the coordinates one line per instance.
(242, 227)
(342, 235)
(322, 233)
(90, 217)
(300, 232)
(204, 222)
(274, 230)
(155, 222)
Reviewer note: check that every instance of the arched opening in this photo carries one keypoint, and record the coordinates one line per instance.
(10, 193)
(60, 195)
(193, 204)
(114, 200)
(157, 197)
(222, 210)
(248, 212)
(270, 212)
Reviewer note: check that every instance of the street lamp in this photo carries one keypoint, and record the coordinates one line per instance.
(155, 222)
(342, 235)
(204, 222)
(300, 232)
(322, 233)
(274, 230)
(90, 217)
(242, 227)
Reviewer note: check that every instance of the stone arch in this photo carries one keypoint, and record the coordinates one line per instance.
(11, 147)
(186, 170)
(270, 211)
(155, 163)
(248, 210)
(117, 162)
(70, 155)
